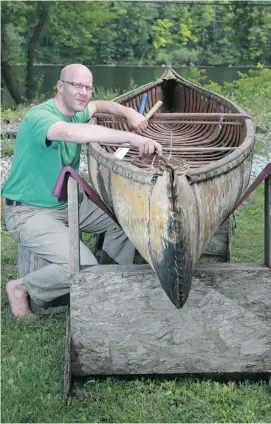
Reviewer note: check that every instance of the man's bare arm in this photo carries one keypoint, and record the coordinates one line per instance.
(89, 133)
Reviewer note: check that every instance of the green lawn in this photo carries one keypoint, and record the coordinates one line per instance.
(247, 244)
(33, 359)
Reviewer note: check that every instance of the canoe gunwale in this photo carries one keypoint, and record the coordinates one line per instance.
(119, 166)
(210, 171)
(124, 169)
(202, 173)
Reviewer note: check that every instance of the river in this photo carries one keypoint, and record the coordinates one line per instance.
(118, 78)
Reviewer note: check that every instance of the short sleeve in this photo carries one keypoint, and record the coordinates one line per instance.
(38, 121)
(82, 117)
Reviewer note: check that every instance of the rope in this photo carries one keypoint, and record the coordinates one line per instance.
(181, 166)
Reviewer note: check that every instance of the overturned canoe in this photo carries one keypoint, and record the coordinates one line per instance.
(171, 207)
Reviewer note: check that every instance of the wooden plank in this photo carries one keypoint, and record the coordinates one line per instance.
(123, 323)
(173, 116)
(211, 116)
(267, 222)
(74, 236)
(67, 363)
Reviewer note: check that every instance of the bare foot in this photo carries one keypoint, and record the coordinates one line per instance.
(18, 298)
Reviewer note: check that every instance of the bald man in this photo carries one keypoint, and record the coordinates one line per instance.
(49, 138)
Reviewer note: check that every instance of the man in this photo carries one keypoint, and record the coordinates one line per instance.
(48, 139)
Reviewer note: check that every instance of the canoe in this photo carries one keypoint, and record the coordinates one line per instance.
(171, 207)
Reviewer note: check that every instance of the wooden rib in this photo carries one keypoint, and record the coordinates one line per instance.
(175, 149)
(157, 121)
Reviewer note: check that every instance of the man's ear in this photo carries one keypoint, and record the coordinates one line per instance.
(59, 86)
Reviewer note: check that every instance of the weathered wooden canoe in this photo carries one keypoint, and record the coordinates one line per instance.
(171, 207)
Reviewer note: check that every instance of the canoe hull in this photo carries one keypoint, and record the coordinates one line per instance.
(169, 220)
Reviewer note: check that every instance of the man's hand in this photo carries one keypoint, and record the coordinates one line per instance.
(136, 121)
(146, 146)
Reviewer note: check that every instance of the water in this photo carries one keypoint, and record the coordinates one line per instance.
(118, 78)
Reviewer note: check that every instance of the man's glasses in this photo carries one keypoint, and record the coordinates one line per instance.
(79, 86)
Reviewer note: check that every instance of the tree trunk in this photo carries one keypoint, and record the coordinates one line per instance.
(43, 14)
(8, 74)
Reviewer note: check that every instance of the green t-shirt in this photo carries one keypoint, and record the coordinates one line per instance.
(37, 163)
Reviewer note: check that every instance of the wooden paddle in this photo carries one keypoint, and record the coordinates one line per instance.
(122, 151)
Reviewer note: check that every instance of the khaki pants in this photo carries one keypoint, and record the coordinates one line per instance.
(45, 232)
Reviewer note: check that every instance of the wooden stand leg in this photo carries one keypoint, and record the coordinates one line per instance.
(267, 222)
(67, 364)
(74, 236)
(74, 266)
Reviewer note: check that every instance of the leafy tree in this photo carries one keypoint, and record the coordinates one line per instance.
(9, 47)
(29, 18)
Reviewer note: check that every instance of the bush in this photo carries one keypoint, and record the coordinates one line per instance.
(252, 91)
(177, 57)
(8, 146)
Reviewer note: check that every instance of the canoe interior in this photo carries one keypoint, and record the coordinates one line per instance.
(196, 142)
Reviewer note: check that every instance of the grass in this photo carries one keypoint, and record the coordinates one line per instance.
(247, 244)
(33, 360)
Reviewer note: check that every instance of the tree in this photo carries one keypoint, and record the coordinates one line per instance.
(8, 48)
(30, 18)
(41, 11)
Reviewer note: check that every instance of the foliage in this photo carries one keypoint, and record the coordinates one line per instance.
(132, 33)
(121, 32)
(7, 147)
(101, 94)
(16, 114)
(252, 91)
(178, 56)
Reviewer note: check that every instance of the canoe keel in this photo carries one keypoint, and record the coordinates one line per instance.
(172, 260)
